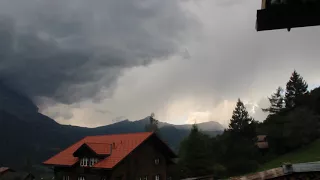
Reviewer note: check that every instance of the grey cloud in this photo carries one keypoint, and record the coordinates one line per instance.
(230, 60)
(66, 115)
(69, 50)
(228, 3)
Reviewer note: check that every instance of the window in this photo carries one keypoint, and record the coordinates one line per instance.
(81, 178)
(65, 178)
(156, 161)
(84, 162)
(92, 161)
(157, 177)
(88, 161)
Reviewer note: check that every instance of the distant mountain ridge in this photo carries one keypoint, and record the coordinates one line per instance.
(27, 135)
(204, 126)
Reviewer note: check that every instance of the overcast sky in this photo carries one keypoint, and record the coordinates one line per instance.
(91, 63)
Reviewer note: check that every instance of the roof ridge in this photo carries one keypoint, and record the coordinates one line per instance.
(120, 134)
(65, 149)
(97, 143)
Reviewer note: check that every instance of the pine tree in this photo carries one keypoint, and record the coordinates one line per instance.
(296, 87)
(241, 123)
(276, 102)
(196, 154)
(153, 124)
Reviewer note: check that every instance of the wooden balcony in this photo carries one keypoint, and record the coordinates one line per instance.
(287, 16)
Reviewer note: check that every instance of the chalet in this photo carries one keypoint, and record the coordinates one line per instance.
(136, 156)
(287, 14)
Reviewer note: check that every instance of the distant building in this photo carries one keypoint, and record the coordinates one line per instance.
(262, 142)
(136, 156)
(309, 170)
(10, 174)
(4, 170)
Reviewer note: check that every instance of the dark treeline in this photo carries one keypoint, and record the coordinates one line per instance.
(293, 122)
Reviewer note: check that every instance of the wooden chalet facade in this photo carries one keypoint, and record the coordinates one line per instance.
(137, 156)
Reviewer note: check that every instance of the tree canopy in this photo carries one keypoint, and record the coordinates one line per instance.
(152, 126)
(295, 88)
(196, 154)
(241, 123)
(276, 102)
(293, 122)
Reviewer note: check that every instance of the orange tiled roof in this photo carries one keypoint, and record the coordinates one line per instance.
(124, 144)
(100, 148)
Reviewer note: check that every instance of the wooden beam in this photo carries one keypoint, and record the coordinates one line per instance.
(263, 4)
(287, 17)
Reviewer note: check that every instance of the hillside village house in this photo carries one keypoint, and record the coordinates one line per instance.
(136, 156)
(4, 170)
(7, 173)
(262, 143)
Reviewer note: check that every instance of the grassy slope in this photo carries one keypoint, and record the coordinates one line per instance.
(305, 154)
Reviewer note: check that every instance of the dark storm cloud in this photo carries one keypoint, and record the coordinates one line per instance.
(68, 50)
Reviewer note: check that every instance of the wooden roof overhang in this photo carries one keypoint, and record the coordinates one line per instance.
(287, 16)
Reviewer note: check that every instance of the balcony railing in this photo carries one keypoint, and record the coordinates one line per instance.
(287, 14)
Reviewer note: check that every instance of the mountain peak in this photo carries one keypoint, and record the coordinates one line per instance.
(16, 103)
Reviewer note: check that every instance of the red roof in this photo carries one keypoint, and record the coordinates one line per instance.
(4, 169)
(263, 145)
(261, 138)
(100, 148)
(123, 145)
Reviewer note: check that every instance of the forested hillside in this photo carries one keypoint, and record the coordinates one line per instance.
(293, 122)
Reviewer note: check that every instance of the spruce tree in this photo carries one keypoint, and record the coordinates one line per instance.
(153, 124)
(296, 87)
(241, 155)
(196, 154)
(276, 102)
(241, 123)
